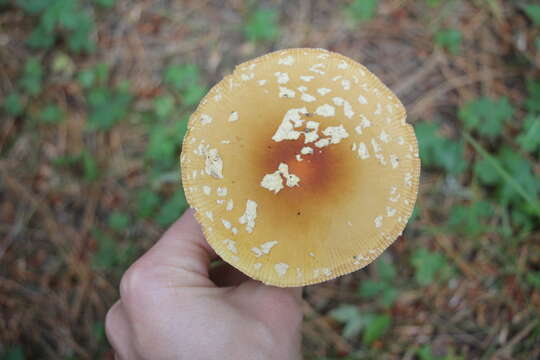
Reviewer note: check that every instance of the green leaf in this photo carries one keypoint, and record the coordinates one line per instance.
(107, 107)
(371, 288)
(32, 76)
(533, 99)
(451, 157)
(350, 316)
(86, 78)
(353, 327)
(101, 72)
(449, 39)
(376, 327)
(13, 104)
(386, 270)
(107, 249)
(433, 3)
(67, 160)
(162, 147)
(172, 209)
(126, 256)
(485, 172)
(105, 3)
(425, 353)
(262, 25)
(59, 13)
(362, 10)
(193, 94)
(385, 292)
(529, 139)
(180, 129)
(51, 114)
(428, 265)
(33, 7)
(428, 141)
(438, 151)
(80, 39)
(98, 331)
(164, 105)
(41, 38)
(470, 220)
(147, 202)
(389, 296)
(344, 313)
(533, 11)
(118, 221)
(533, 278)
(181, 77)
(90, 167)
(515, 176)
(522, 173)
(14, 353)
(487, 116)
(523, 221)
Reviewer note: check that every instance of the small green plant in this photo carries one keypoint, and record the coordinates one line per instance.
(185, 80)
(147, 202)
(13, 104)
(31, 79)
(383, 289)
(67, 19)
(439, 151)
(107, 104)
(533, 12)
(533, 278)
(110, 254)
(51, 114)
(163, 144)
(13, 353)
(119, 221)
(164, 106)
(486, 116)
(449, 39)
(433, 3)
(429, 266)
(105, 3)
(529, 139)
(173, 208)
(361, 10)
(512, 176)
(425, 353)
(471, 219)
(261, 25)
(532, 103)
(351, 317)
(373, 326)
(83, 163)
(376, 326)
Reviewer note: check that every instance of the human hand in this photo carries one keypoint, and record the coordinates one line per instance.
(172, 307)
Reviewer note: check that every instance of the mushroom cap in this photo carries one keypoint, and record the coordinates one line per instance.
(300, 167)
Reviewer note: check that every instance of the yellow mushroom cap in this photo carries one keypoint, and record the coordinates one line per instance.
(300, 167)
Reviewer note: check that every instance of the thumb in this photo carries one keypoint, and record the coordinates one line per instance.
(183, 249)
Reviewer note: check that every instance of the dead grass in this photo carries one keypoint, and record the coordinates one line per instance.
(53, 301)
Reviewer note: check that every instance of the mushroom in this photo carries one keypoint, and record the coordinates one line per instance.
(300, 167)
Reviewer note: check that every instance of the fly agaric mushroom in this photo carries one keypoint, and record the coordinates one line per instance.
(300, 167)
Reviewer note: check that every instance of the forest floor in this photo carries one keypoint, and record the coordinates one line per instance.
(95, 95)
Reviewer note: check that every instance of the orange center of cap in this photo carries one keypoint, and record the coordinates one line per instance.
(320, 173)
